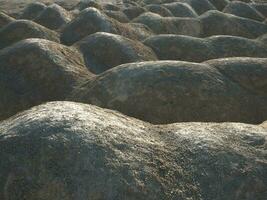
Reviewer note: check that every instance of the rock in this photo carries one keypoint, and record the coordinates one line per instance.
(23, 29)
(181, 9)
(261, 7)
(65, 150)
(103, 51)
(5, 19)
(160, 10)
(91, 21)
(111, 7)
(133, 11)
(87, 4)
(186, 48)
(34, 71)
(200, 6)
(173, 91)
(117, 15)
(54, 17)
(170, 25)
(232, 25)
(33, 10)
(241, 9)
(219, 4)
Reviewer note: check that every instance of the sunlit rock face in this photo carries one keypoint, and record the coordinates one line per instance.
(65, 150)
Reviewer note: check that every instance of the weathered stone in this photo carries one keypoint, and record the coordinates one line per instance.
(158, 9)
(32, 10)
(181, 9)
(5, 19)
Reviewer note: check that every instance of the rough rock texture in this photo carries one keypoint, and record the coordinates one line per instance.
(64, 150)
(133, 11)
(170, 25)
(23, 29)
(117, 15)
(242, 9)
(35, 71)
(179, 47)
(54, 17)
(173, 91)
(181, 9)
(261, 7)
(5, 19)
(200, 6)
(158, 9)
(91, 21)
(219, 4)
(103, 51)
(33, 10)
(218, 23)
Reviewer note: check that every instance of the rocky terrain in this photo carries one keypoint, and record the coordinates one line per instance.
(133, 99)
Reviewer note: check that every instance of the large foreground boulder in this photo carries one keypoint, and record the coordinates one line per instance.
(34, 71)
(186, 48)
(24, 29)
(103, 51)
(64, 150)
(91, 21)
(174, 91)
(218, 23)
(54, 17)
(242, 9)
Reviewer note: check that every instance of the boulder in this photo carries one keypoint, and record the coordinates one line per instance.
(219, 4)
(33, 71)
(200, 6)
(88, 4)
(24, 29)
(170, 25)
(261, 7)
(103, 51)
(65, 150)
(133, 11)
(5, 19)
(186, 48)
(54, 17)
(230, 25)
(160, 10)
(173, 91)
(111, 7)
(91, 21)
(242, 9)
(117, 15)
(181, 9)
(33, 10)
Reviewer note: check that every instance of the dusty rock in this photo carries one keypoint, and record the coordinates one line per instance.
(175, 91)
(242, 9)
(23, 29)
(186, 48)
(133, 11)
(170, 25)
(181, 9)
(33, 10)
(5, 19)
(117, 15)
(34, 71)
(65, 150)
(219, 4)
(232, 25)
(103, 51)
(87, 4)
(54, 17)
(158, 9)
(200, 6)
(91, 21)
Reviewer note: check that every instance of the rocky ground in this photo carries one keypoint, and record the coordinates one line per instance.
(145, 99)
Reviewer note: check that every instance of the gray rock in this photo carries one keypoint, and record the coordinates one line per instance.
(242, 9)
(186, 48)
(34, 71)
(103, 51)
(133, 11)
(170, 25)
(158, 9)
(24, 29)
(174, 91)
(181, 9)
(200, 6)
(54, 17)
(32, 10)
(117, 15)
(218, 23)
(91, 21)
(5, 19)
(261, 7)
(65, 150)
(219, 4)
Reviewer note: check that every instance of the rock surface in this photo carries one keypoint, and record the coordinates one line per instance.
(35, 71)
(24, 29)
(64, 150)
(103, 51)
(5, 19)
(174, 91)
